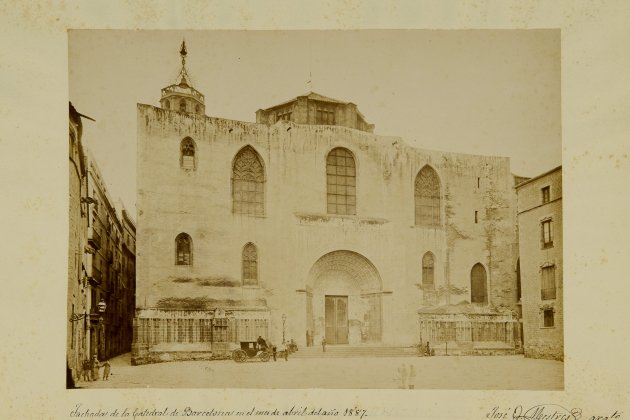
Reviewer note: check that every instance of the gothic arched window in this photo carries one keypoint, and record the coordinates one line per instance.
(250, 265)
(341, 182)
(428, 280)
(427, 194)
(167, 104)
(182, 105)
(478, 284)
(248, 183)
(187, 154)
(183, 249)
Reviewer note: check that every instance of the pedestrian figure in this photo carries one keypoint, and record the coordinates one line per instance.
(274, 349)
(428, 350)
(402, 371)
(86, 370)
(324, 344)
(107, 368)
(94, 366)
(412, 377)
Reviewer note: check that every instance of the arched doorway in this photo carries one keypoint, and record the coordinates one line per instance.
(344, 304)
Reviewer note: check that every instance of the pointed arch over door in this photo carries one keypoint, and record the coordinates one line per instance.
(248, 183)
(478, 284)
(427, 197)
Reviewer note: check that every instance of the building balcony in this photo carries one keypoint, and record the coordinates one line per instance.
(96, 276)
(94, 239)
(180, 90)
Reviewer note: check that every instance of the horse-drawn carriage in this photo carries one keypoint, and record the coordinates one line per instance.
(251, 350)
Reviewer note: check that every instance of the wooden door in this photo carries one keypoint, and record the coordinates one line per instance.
(336, 310)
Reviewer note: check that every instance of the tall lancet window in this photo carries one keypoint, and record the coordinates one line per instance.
(341, 182)
(478, 284)
(250, 265)
(187, 154)
(183, 249)
(428, 280)
(248, 183)
(427, 195)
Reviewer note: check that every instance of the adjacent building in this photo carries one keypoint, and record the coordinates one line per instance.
(101, 263)
(77, 301)
(110, 268)
(307, 225)
(540, 250)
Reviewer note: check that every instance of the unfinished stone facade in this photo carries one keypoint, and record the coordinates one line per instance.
(346, 233)
(540, 249)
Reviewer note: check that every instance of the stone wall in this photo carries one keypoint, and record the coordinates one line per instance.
(296, 231)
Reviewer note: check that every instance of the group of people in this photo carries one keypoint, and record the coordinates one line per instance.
(407, 377)
(285, 348)
(91, 369)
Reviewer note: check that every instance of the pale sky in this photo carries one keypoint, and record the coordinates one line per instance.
(490, 92)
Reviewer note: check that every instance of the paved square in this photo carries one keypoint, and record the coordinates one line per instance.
(439, 372)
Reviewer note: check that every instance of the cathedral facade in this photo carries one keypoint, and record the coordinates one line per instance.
(306, 225)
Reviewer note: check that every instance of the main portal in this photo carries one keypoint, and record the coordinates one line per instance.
(336, 312)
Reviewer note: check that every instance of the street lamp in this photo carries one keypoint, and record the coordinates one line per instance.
(284, 320)
(100, 307)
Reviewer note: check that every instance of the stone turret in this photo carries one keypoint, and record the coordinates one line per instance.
(182, 96)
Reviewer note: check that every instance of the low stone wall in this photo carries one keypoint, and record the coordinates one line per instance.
(544, 351)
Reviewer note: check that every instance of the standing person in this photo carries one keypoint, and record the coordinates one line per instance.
(107, 368)
(284, 349)
(273, 350)
(324, 344)
(412, 377)
(402, 371)
(86, 370)
(94, 366)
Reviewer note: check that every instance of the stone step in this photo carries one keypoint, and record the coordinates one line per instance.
(354, 351)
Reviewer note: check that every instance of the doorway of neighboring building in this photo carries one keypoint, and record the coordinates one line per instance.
(336, 312)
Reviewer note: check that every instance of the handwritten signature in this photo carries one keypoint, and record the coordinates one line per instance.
(544, 412)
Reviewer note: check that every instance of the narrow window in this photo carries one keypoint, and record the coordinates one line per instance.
(476, 220)
(427, 197)
(547, 234)
(182, 106)
(250, 265)
(167, 104)
(187, 154)
(197, 109)
(428, 282)
(548, 283)
(341, 182)
(478, 182)
(248, 183)
(183, 249)
(548, 318)
(478, 284)
(518, 280)
(545, 194)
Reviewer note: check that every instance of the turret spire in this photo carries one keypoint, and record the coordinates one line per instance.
(182, 96)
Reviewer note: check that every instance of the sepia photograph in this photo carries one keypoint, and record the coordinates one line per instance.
(279, 209)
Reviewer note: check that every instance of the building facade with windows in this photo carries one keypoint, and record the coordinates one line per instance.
(354, 237)
(540, 250)
(77, 302)
(110, 267)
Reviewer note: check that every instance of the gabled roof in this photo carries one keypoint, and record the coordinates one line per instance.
(312, 96)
